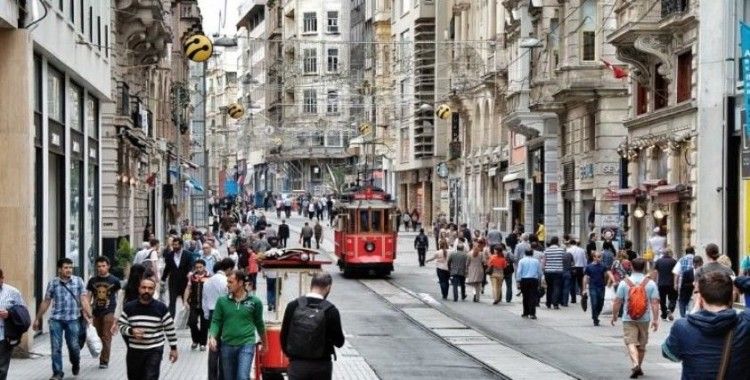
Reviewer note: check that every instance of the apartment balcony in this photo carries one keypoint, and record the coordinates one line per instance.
(142, 27)
(289, 153)
(190, 16)
(644, 36)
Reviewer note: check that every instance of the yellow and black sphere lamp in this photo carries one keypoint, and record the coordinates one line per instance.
(235, 111)
(198, 48)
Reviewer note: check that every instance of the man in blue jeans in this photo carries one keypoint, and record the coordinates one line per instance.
(594, 282)
(70, 300)
(235, 321)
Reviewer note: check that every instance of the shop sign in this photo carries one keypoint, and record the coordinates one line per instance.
(745, 164)
(586, 171)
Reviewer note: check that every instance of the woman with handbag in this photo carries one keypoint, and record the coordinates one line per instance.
(495, 269)
(475, 275)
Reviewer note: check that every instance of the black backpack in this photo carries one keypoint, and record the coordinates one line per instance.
(16, 324)
(307, 330)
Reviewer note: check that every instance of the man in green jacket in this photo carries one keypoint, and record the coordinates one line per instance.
(237, 316)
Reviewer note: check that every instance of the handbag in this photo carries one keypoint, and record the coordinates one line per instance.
(489, 270)
(82, 323)
(726, 355)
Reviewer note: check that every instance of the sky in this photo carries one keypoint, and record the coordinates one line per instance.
(212, 9)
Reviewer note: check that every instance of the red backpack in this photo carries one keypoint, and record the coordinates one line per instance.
(637, 298)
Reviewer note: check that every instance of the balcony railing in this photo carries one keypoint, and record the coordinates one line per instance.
(673, 7)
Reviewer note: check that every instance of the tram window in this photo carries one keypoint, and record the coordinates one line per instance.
(351, 222)
(364, 225)
(376, 218)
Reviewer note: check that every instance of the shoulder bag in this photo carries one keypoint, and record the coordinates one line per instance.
(726, 355)
(82, 324)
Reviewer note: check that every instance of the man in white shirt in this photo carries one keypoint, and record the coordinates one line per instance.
(579, 263)
(214, 288)
(142, 255)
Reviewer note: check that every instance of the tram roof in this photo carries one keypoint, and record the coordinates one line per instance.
(364, 204)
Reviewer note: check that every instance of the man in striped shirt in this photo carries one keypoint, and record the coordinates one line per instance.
(144, 323)
(553, 271)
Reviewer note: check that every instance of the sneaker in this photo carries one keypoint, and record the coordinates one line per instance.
(76, 369)
(203, 348)
(556, 307)
(634, 372)
(56, 377)
(670, 316)
(103, 366)
(532, 317)
(596, 323)
(194, 346)
(524, 316)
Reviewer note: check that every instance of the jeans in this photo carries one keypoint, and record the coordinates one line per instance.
(5, 351)
(567, 282)
(306, 242)
(554, 287)
(103, 325)
(443, 278)
(596, 296)
(237, 360)
(56, 330)
(576, 274)
(271, 292)
(458, 281)
(144, 364)
(282, 242)
(684, 298)
(667, 293)
(317, 242)
(530, 293)
(310, 370)
(508, 288)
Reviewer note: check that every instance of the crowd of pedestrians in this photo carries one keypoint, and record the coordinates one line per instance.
(644, 289)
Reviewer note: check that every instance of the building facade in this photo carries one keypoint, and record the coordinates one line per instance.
(55, 78)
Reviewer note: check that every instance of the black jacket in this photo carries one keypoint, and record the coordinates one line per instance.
(421, 242)
(334, 333)
(177, 275)
(283, 231)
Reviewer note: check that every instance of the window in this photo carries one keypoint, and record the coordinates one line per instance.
(56, 95)
(92, 119)
(106, 40)
(91, 24)
(405, 6)
(310, 61)
(333, 60)
(332, 103)
(641, 93)
(76, 107)
(319, 139)
(588, 30)
(333, 139)
(661, 90)
(684, 76)
(310, 96)
(658, 163)
(72, 11)
(405, 144)
(333, 22)
(376, 216)
(591, 131)
(309, 22)
(82, 15)
(99, 32)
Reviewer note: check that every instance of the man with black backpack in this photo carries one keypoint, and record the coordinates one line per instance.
(309, 332)
(640, 297)
(10, 332)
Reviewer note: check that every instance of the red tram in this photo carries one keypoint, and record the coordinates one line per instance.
(365, 232)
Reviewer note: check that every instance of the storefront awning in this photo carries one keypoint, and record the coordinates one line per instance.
(630, 195)
(667, 194)
(511, 177)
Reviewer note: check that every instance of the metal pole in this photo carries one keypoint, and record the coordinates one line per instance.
(205, 144)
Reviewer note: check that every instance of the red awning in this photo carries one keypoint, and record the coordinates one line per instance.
(666, 194)
(629, 195)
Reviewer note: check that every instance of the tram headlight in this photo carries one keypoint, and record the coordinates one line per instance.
(369, 246)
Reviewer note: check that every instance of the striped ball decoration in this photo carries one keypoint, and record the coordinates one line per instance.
(443, 111)
(198, 48)
(235, 111)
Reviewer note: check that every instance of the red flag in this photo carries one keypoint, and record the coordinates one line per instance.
(151, 180)
(617, 71)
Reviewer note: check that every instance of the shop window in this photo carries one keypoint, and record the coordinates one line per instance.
(684, 76)
(56, 95)
(661, 90)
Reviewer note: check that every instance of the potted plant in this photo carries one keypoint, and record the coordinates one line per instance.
(123, 258)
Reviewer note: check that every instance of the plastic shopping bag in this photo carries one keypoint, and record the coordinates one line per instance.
(182, 319)
(609, 298)
(93, 342)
